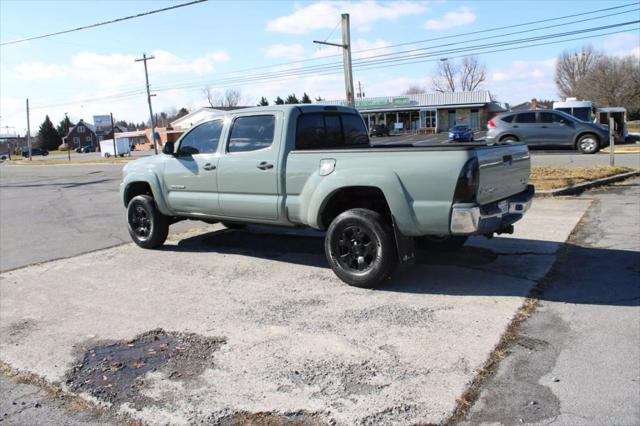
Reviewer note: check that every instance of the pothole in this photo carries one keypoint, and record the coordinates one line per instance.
(114, 372)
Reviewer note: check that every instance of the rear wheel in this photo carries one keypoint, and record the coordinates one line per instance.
(588, 144)
(360, 248)
(509, 139)
(148, 227)
(441, 242)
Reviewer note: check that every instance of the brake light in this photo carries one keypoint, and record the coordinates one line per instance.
(491, 124)
(468, 182)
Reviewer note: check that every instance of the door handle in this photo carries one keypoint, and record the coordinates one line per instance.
(263, 165)
(209, 166)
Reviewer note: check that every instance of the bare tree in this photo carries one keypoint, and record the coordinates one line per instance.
(571, 70)
(445, 77)
(214, 97)
(230, 98)
(613, 81)
(472, 73)
(414, 89)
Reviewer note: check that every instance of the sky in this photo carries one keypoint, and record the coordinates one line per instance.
(217, 43)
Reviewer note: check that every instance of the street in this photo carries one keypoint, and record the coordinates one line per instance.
(301, 345)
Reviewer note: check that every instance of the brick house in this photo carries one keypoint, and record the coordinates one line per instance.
(81, 134)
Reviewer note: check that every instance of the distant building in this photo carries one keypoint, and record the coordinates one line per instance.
(529, 105)
(199, 115)
(80, 135)
(427, 112)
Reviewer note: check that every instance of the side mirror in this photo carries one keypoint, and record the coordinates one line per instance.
(168, 148)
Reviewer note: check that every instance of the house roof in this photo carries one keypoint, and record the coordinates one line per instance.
(84, 123)
(420, 100)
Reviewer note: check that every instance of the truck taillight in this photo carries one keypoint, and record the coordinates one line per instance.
(468, 182)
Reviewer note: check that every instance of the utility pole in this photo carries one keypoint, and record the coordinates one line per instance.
(144, 59)
(612, 142)
(28, 131)
(113, 134)
(360, 92)
(346, 58)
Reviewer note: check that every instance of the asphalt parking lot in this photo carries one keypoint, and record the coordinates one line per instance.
(267, 328)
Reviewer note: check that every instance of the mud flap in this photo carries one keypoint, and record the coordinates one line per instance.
(404, 246)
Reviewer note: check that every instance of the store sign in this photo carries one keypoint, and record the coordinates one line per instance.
(102, 123)
(381, 102)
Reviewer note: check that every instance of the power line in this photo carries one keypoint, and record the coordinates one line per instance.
(357, 64)
(139, 15)
(243, 71)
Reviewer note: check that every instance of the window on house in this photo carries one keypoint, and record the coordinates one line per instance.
(88, 139)
(80, 129)
(76, 140)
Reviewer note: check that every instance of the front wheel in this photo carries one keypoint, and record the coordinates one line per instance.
(148, 227)
(360, 248)
(588, 144)
(441, 242)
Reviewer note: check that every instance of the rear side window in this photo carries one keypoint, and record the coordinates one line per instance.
(508, 118)
(549, 117)
(251, 133)
(202, 140)
(324, 131)
(526, 117)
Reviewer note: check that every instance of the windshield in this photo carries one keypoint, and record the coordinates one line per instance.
(460, 128)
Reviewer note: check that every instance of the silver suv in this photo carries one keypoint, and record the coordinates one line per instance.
(547, 128)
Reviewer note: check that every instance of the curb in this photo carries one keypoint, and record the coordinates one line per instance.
(581, 187)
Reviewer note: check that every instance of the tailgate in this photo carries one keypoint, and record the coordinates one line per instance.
(504, 171)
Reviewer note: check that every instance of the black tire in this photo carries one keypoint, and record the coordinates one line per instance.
(443, 243)
(147, 226)
(360, 248)
(509, 139)
(588, 144)
(232, 225)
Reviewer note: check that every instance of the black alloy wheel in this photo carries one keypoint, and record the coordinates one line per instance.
(148, 227)
(360, 247)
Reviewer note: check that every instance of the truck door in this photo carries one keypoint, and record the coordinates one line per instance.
(248, 172)
(190, 177)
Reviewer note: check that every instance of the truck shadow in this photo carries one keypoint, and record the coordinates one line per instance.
(497, 267)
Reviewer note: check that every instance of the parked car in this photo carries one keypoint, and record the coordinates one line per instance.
(461, 132)
(547, 128)
(86, 149)
(379, 130)
(34, 151)
(314, 166)
(4, 155)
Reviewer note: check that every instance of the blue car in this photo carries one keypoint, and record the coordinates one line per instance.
(461, 132)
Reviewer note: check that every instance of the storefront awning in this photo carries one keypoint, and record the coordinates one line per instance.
(419, 108)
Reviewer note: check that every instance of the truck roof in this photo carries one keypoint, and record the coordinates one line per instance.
(304, 108)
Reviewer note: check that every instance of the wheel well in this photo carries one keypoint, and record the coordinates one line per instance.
(353, 197)
(509, 136)
(136, 188)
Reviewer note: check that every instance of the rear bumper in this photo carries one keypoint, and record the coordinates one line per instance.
(468, 219)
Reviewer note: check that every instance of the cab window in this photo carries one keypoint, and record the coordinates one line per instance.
(203, 139)
(251, 133)
(330, 131)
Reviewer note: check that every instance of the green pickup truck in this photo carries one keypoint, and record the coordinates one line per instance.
(313, 166)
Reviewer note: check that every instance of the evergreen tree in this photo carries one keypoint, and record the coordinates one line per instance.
(263, 102)
(319, 99)
(278, 101)
(305, 99)
(292, 99)
(64, 126)
(48, 135)
(183, 111)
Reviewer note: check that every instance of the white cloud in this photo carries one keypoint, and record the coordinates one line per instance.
(623, 44)
(522, 80)
(325, 15)
(361, 48)
(37, 71)
(287, 51)
(456, 18)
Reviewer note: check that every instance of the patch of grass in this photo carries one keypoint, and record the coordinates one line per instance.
(559, 177)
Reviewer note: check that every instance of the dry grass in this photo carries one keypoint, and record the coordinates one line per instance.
(559, 177)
